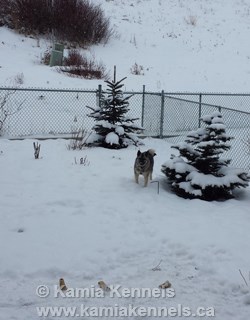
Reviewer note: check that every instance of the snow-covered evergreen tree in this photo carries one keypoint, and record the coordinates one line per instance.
(199, 171)
(113, 128)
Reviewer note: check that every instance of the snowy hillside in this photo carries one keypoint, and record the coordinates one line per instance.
(181, 45)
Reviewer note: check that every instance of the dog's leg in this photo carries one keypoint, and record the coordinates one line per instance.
(151, 175)
(146, 176)
(136, 177)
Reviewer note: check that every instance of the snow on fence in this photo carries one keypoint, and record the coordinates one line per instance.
(44, 113)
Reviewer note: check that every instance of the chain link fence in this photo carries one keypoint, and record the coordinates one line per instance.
(36, 112)
(182, 115)
(45, 113)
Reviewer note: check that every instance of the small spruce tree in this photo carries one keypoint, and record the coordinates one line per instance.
(113, 128)
(199, 171)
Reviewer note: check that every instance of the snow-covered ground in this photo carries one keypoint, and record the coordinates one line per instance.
(195, 45)
(92, 222)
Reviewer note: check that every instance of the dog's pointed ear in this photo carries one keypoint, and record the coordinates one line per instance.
(138, 153)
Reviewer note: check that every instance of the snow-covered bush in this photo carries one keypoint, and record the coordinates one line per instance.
(199, 171)
(114, 128)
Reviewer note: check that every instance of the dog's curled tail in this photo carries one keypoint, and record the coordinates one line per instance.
(152, 152)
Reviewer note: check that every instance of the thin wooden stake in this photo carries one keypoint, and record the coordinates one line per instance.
(157, 268)
(158, 185)
(243, 277)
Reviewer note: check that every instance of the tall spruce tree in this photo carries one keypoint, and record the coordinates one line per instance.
(114, 128)
(199, 171)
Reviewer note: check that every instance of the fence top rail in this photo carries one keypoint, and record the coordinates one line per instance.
(48, 90)
(207, 94)
(207, 104)
(152, 93)
(70, 90)
(167, 95)
(126, 92)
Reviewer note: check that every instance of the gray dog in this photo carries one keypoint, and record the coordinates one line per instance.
(144, 164)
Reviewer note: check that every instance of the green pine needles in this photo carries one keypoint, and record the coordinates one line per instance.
(114, 128)
(200, 171)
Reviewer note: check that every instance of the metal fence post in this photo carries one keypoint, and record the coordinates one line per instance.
(143, 105)
(99, 95)
(200, 104)
(162, 114)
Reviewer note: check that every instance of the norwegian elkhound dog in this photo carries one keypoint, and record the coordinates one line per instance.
(144, 164)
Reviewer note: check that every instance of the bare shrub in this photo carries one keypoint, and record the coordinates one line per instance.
(32, 17)
(74, 58)
(45, 59)
(77, 21)
(90, 72)
(78, 140)
(37, 148)
(8, 107)
(5, 13)
(191, 20)
(83, 161)
(137, 69)
(79, 65)
(19, 78)
(133, 41)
